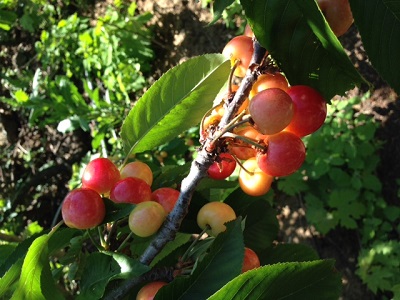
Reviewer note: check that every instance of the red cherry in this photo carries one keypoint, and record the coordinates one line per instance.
(285, 154)
(250, 261)
(167, 197)
(309, 110)
(130, 190)
(100, 175)
(223, 167)
(83, 208)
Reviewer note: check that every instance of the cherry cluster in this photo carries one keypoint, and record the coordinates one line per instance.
(84, 207)
(266, 138)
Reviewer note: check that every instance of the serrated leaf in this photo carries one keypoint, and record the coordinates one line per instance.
(261, 224)
(299, 39)
(180, 239)
(294, 280)
(379, 24)
(36, 281)
(220, 265)
(174, 103)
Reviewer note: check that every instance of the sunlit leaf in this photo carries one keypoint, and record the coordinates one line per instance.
(174, 103)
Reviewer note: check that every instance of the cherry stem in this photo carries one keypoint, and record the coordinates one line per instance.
(244, 139)
(125, 241)
(237, 62)
(196, 240)
(99, 248)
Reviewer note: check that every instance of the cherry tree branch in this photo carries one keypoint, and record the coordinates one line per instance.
(200, 165)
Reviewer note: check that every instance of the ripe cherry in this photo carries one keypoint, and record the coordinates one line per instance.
(130, 190)
(250, 261)
(338, 15)
(223, 167)
(215, 215)
(239, 48)
(241, 149)
(272, 110)
(252, 180)
(83, 208)
(138, 169)
(167, 197)
(149, 291)
(285, 154)
(100, 175)
(309, 110)
(146, 218)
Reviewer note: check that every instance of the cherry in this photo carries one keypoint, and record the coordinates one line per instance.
(252, 180)
(285, 154)
(130, 190)
(272, 110)
(309, 110)
(167, 197)
(138, 169)
(240, 48)
(267, 81)
(241, 149)
(100, 175)
(146, 218)
(338, 15)
(250, 261)
(215, 215)
(83, 208)
(223, 167)
(248, 31)
(149, 291)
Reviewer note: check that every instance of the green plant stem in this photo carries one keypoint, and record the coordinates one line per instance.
(124, 242)
(186, 254)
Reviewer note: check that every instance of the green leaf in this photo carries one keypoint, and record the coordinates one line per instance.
(100, 268)
(379, 24)
(220, 265)
(7, 19)
(10, 277)
(180, 239)
(36, 281)
(261, 224)
(177, 101)
(116, 211)
(294, 280)
(298, 38)
(218, 8)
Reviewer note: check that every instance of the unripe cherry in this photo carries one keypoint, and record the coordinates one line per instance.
(239, 48)
(138, 169)
(146, 218)
(215, 215)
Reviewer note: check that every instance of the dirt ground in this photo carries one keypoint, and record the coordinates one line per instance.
(181, 32)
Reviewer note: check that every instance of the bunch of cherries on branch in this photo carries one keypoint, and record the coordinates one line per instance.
(263, 138)
(265, 135)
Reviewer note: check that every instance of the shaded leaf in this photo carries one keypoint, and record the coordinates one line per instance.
(298, 38)
(174, 103)
(294, 280)
(220, 265)
(379, 24)
(287, 253)
(218, 8)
